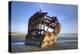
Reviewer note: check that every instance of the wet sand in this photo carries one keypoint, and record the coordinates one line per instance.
(25, 48)
(62, 44)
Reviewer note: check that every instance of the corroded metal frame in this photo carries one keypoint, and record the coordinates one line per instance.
(36, 27)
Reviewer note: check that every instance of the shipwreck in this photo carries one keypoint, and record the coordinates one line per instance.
(42, 30)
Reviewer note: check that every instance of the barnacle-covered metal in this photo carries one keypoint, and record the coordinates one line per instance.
(42, 30)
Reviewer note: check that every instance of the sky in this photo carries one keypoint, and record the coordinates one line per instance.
(22, 11)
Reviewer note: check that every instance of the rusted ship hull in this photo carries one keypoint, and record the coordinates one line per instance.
(38, 35)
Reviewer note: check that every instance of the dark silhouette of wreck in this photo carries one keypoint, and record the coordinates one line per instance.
(36, 27)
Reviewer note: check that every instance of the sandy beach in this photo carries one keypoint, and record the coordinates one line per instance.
(63, 42)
